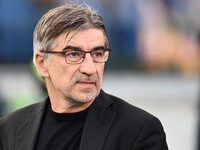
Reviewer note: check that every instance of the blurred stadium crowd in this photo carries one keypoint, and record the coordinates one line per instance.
(158, 35)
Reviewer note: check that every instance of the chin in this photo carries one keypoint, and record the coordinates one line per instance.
(85, 98)
(84, 95)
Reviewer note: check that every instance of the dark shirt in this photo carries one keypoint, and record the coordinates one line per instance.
(61, 131)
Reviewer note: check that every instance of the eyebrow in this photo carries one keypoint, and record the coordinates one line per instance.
(71, 47)
(78, 48)
(99, 48)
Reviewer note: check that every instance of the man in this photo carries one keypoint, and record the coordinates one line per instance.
(70, 51)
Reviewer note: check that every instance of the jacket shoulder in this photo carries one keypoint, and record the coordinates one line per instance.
(135, 127)
(21, 114)
(127, 110)
(130, 116)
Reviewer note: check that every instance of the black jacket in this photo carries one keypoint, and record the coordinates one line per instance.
(111, 124)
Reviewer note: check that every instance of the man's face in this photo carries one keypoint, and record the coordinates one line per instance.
(76, 83)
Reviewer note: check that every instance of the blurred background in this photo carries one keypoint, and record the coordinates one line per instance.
(154, 63)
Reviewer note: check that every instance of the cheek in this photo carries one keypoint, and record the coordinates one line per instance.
(62, 72)
(68, 73)
(100, 70)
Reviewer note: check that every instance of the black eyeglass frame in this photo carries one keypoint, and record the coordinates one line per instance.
(83, 57)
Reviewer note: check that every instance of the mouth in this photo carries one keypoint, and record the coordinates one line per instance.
(86, 83)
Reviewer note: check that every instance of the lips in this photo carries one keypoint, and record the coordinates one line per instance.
(86, 83)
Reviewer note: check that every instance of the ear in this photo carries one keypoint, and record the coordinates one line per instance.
(41, 64)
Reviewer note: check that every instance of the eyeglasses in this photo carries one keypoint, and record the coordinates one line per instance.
(77, 56)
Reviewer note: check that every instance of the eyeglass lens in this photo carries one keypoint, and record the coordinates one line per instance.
(74, 56)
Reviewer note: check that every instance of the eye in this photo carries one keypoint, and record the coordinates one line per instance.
(74, 54)
(98, 53)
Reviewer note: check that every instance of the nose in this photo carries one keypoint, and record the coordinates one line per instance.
(88, 66)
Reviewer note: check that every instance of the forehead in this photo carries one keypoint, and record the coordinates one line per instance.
(83, 38)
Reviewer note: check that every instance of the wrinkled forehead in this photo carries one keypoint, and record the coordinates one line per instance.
(82, 38)
(84, 35)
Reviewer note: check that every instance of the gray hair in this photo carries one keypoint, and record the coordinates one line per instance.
(65, 18)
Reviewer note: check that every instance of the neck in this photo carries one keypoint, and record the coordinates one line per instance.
(63, 106)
